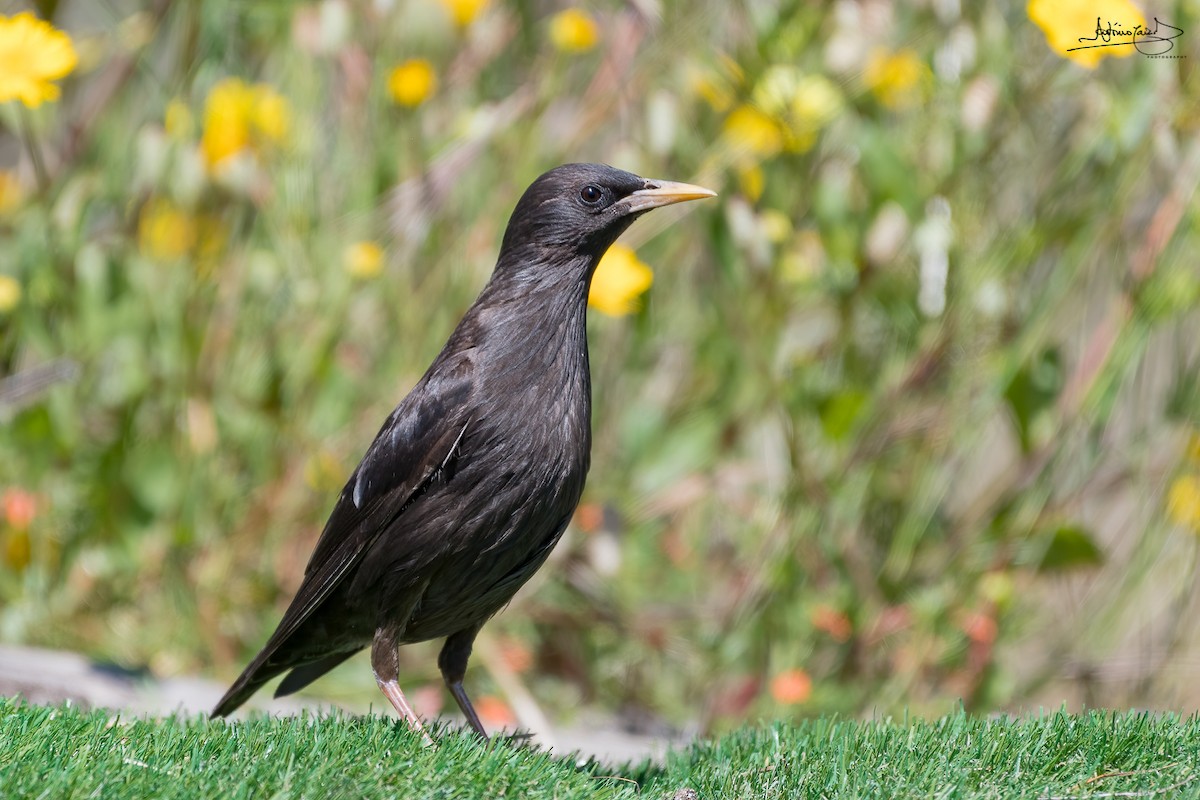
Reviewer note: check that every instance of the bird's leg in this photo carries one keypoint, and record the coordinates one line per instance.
(385, 662)
(452, 661)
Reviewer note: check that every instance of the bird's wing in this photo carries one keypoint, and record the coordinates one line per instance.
(417, 442)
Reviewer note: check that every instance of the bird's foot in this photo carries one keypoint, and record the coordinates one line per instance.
(391, 690)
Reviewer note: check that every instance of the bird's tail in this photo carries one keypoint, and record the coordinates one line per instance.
(249, 682)
(305, 674)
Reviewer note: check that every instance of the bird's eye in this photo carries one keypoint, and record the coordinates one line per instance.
(591, 194)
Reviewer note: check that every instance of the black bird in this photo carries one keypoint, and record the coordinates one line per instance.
(472, 479)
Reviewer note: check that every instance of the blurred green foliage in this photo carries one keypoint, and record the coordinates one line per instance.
(898, 416)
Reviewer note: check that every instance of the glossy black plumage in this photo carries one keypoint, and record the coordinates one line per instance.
(472, 479)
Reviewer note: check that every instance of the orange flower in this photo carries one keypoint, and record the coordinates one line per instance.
(979, 628)
(589, 517)
(833, 622)
(515, 654)
(791, 687)
(495, 711)
(20, 507)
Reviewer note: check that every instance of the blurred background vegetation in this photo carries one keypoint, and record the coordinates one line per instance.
(909, 415)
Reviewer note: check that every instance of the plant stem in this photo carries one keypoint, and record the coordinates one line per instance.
(35, 151)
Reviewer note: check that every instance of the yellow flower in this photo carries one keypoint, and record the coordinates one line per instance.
(775, 225)
(12, 193)
(10, 293)
(464, 12)
(1183, 501)
(17, 549)
(270, 117)
(713, 91)
(1193, 448)
(165, 232)
(717, 86)
(750, 130)
(815, 102)
(32, 54)
(619, 282)
(799, 105)
(897, 79)
(573, 31)
(363, 260)
(242, 117)
(752, 181)
(1064, 22)
(178, 119)
(413, 82)
(211, 238)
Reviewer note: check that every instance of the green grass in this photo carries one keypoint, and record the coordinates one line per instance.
(63, 752)
(799, 463)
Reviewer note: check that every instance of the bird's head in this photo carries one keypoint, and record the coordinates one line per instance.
(573, 213)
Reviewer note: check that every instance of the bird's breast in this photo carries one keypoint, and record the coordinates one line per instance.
(517, 478)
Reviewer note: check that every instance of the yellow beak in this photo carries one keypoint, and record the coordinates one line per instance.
(664, 193)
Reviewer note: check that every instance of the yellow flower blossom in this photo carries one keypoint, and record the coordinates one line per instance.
(270, 114)
(815, 102)
(363, 260)
(1193, 448)
(752, 181)
(178, 119)
(573, 31)
(168, 233)
(10, 293)
(620, 281)
(412, 82)
(775, 225)
(242, 117)
(1064, 22)
(12, 193)
(165, 231)
(898, 80)
(713, 91)
(464, 12)
(799, 105)
(717, 87)
(211, 238)
(749, 130)
(33, 53)
(17, 549)
(775, 88)
(1183, 502)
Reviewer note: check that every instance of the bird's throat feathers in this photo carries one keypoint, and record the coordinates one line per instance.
(536, 312)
